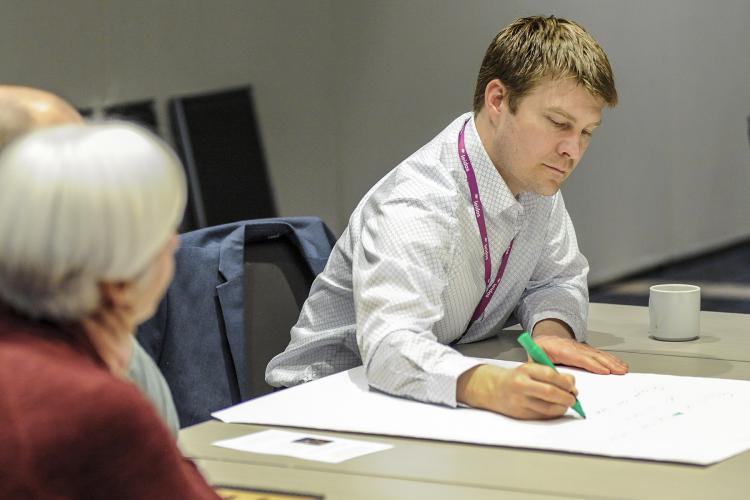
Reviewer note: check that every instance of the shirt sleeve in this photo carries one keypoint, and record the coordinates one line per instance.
(558, 288)
(399, 270)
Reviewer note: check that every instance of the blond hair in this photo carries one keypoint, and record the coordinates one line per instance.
(81, 205)
(533, 49)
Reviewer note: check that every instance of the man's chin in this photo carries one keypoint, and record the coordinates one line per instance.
(549, 189)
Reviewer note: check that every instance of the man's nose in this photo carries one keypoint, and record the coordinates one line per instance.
(571, 147)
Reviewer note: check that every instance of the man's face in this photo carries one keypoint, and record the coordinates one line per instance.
(536, 148)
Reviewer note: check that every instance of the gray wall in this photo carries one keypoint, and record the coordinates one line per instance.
(346, 89)
(111, 51)
(667, 175)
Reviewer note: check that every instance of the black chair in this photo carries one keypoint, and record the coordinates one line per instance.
(218, 139)
(277, 281)
(140, 112)
(86, 112)
(237, 291)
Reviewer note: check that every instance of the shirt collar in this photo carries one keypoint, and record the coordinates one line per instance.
(494, 192)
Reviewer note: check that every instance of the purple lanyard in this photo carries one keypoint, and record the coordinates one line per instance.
(479, 214)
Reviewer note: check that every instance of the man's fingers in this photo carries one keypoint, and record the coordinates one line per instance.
(529, 391)
(615, 364)
(544, 409)
(551, 394)
(572, 353)
(589, 358)
(547, 375)
(545, 384)
(608, 360)
(590, 362)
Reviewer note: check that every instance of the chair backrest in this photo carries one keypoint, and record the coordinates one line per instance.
(86, 112)
(277, 281)
(218, 140)
(237, 291)
(140, 112)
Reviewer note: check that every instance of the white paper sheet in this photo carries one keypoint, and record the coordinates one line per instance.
(328, 449)
(653, 417)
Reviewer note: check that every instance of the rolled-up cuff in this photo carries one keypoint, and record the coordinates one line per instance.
(443, 380)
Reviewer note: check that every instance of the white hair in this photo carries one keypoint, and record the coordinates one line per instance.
(81, 205)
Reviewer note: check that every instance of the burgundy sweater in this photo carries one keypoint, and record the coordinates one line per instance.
(70, 429)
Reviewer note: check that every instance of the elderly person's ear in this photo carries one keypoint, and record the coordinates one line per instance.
(117, 294)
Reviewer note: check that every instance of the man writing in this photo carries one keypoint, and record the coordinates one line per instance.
(467, 231)
(23, 109)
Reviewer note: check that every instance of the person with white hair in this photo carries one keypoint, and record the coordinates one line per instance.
(88, 218)
(24, 109)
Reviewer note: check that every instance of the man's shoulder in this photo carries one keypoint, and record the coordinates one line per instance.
(429, 175)
(441, 150)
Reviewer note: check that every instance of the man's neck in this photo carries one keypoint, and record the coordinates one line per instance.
(485, 131)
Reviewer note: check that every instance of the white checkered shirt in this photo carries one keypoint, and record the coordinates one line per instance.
(405, 277)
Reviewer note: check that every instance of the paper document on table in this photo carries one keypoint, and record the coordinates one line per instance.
(329, 449)
(653, 417)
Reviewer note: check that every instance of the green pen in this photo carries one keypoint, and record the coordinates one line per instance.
(539, 356)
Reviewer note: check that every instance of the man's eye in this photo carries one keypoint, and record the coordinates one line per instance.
(557, 124)
(587, 133)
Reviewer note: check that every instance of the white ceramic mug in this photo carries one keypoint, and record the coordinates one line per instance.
(674, 312)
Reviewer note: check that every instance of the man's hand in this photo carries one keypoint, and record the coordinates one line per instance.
(530, 391)
(557, 340)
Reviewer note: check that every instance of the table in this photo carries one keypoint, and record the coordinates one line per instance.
(427, 469)
(343, 486)
(624, 329)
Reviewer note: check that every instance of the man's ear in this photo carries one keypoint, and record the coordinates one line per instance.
(116, 293)
(495, 98)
